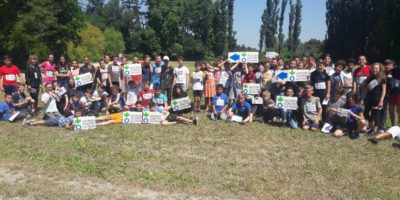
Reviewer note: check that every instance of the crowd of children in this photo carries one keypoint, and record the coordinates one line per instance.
(366, 92)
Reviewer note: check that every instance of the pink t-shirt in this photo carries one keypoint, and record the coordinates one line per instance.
(75, 72)
(48, 70)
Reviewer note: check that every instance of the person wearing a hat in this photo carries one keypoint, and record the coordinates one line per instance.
(167, 78)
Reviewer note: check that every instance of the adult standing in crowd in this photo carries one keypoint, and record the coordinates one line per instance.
(33, 78)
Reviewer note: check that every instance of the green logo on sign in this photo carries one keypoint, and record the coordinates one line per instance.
(292, 73)
(244, 55)
(78, 121)
(280, 99)
(126, 67)
(126, 114)
(146, 114)
(246, 86)
(174, 102)
(77, 78)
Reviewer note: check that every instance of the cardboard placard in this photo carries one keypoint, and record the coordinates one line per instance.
(237, 118)
(84, 123)
(181, 104)
(251, 88)
(244, 57)
(83, 79)
(132, 117)
(289, 103)
(344, 112)
(152, 117)
(257, 101)
(132, 69)
(293, 75)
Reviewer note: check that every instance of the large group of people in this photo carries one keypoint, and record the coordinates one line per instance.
(367, 92)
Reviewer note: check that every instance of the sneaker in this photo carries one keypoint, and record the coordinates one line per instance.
(196, 121)
(371, 132)
(24, 121)
(373, 140)
(397, 138)
(396, 145)
(381, 131)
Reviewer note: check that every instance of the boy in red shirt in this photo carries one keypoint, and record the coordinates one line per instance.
(145, 96)
(9, 75)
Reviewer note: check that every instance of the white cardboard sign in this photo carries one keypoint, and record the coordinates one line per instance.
(289, 103)
(181, 104)
(84, 123)
(244, 57)
(83, 79)
(132, 69)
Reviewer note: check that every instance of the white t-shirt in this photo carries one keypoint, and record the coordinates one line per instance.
(181, 73)
(198, 80)
(84, 101)
(52, 105)
(131, 96)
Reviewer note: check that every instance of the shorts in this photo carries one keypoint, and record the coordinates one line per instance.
(116, 118)
(51, 121)
(311, 124)
(171, 117)
(197, 93)
(9, 89)
(394, 100)
(395, 131)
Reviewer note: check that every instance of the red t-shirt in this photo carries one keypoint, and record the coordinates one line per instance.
(146, 97)
(366, 71)
(9, 75)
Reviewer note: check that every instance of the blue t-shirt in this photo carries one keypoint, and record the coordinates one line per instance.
(146, 74)
(220, 101)
(160, 100)
(156, 75)
(356, 110)
(6, 111)
(17, 98)
(242, 110)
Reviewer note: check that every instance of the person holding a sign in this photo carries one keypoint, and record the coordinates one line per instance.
(85, 69)
(267, 110)
(9, 75)
(49, 68)
(181, 74)
(237, 80)
(61, 92)
(290, 116)
(147, 70)
(312, 110)
(159, 99)
(33, 78)
(197, 85)
(337, 78)
(62, 122)
(131, 96)
(146, 95)
(354, 121)
(8, 112)
(374, 97)
(21, 102)
(220, 104)
(241, 109)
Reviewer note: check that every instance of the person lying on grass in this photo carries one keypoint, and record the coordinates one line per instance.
(312, 110)
(62, 122)
(241, 109)
(172, 118)
(393, 132)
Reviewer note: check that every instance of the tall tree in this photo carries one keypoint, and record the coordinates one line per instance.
(231, 33)
(219, 25)
(112, 13)
(269, 25)
(292, 17)
(131, 27)
(297, 25)
(94, 7)
(281, 36)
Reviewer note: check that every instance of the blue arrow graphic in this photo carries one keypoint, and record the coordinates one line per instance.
(282, 75)
(235, 57)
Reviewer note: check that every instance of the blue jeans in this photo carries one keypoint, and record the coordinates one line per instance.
(290, 118)
(98, 105)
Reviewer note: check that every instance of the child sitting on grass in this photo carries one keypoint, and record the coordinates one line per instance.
(241, 109)
(312, 110)
(220, 103)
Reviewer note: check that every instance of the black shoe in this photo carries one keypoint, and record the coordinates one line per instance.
(373, 140)
(396, 145)
(371, 132)
(196, 121)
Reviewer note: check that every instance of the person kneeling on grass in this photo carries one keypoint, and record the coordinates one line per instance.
(62, 122)
(312, 110)
(242, 109)
(394, 132)
(220, 104)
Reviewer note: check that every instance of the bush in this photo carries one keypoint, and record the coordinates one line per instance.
(114, 42)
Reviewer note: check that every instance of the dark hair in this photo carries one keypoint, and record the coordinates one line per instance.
(181, 58)
(389, 61)
(157, 88)
(351, 60)
(220, 86)
(138, 102)
(7, 94)
(341, 63)
(89, 91)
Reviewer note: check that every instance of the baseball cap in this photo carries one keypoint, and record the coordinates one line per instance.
(166, 58)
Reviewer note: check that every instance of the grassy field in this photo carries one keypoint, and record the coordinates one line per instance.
(215, 160)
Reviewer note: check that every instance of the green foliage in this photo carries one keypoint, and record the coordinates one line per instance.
(368, 27)
(114, 43)
(150, 42)
(281, 36)
(269, 25)
(92, 44)
(176, 50)
(38, 26)
(291, 24)
(297, 25)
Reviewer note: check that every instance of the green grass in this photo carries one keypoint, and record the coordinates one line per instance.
(213, 160)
